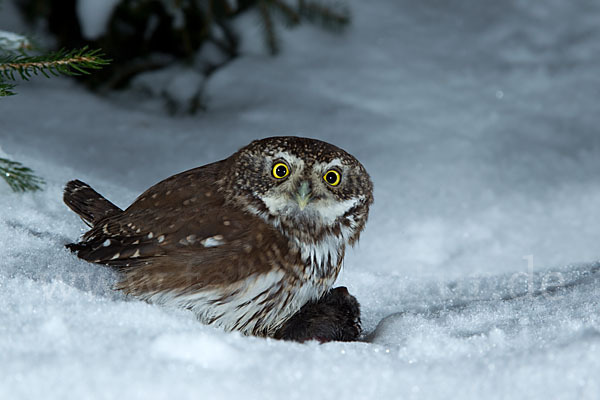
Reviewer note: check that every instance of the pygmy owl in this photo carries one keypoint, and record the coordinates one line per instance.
(244, 242)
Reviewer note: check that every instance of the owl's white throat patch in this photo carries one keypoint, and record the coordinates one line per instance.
(322, 257)
(330, 211)
(320, 212)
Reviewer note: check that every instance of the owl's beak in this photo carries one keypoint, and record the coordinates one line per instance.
(303, 195)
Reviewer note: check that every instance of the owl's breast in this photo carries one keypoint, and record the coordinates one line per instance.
(253, 278)
(258, 305)
(322, 259)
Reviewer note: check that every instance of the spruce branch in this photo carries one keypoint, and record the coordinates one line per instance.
(19, 177)
(268, 27)
(73, 62)
(332, 18)
(6, 89)
(291, 18)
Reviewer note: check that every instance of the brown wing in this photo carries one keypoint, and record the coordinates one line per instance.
(181, 233)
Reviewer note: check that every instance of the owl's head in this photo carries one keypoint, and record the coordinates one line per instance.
(304, 187)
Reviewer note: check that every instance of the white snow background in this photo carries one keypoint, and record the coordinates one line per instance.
(477, 273)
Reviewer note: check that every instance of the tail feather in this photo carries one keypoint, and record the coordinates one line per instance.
(90, 205)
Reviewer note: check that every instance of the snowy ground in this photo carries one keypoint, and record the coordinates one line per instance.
(477, 274)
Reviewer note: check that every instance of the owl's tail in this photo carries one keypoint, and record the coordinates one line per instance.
(90, 205)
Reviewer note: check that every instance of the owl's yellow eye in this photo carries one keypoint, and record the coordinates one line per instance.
(332, 177)
(280, 170)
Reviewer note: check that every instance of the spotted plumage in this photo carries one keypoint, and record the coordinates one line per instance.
(244, 242)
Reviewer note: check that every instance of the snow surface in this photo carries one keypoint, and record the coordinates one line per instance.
(478, 272)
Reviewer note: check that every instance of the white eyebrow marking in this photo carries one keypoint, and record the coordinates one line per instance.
(333, 163)
(291, 159)
(333, 210)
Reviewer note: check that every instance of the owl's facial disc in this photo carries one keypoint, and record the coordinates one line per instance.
(307, 194)
(304, 187)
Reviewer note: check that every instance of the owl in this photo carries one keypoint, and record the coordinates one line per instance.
(252, 243)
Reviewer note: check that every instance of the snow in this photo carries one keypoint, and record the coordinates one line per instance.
(478, 273)
(94, 15)
(178, 88)
(12, 42)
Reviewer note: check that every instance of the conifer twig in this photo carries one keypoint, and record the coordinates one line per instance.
(333, 17)
(19, 177)
(269, 27)
(329, 17)
(6, 89)
(74, 62)
(290, 16)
